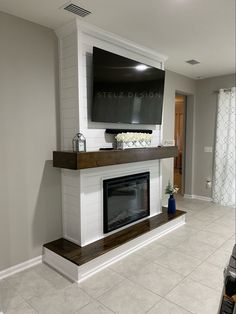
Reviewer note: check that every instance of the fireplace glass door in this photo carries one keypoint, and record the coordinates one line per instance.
(125, 200)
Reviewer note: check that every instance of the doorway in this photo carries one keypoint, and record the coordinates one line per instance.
(180, 107)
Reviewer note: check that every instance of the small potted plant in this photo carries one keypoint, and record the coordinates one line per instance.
(171, 190)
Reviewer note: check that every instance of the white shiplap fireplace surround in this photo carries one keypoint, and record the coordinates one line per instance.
(82, 190)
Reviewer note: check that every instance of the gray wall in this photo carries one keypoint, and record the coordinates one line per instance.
(205, 118)
(186, 86)
(30, 199)
(200, 128)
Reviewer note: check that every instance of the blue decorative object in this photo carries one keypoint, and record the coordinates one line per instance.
(171, 205)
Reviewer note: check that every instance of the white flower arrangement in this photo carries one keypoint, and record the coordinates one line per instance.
(133, 140)
(171, 189)
(133, 137)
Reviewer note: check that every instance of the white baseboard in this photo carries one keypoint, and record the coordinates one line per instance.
(19, 267)
(198, 197)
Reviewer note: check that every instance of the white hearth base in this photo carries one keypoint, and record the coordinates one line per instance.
(80, 273)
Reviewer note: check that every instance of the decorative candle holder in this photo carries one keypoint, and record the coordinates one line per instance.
(79, 143)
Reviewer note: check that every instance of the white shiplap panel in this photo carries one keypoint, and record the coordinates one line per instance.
(71, 205)
(68, 62)
(68, 113)
(69, 72)
(70, 92)
(68, 89)
(67, 144)
(69, 103)
(69, 133)
(69, 123)
(68, 51)
(69, 82)
(69, 40)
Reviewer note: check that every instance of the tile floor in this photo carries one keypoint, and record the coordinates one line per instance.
(179, 273)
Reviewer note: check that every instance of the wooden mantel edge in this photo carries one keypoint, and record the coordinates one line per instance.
(76, 161)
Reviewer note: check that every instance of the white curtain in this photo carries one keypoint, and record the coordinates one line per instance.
(224, 163)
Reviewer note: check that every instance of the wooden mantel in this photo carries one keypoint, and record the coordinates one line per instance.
(76, 161)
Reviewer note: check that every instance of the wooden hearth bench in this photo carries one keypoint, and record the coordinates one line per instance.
(84, 258)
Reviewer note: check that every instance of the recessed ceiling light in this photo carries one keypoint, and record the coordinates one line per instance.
(141, 67)
(192, 62)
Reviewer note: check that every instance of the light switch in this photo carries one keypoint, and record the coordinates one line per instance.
(208, 149)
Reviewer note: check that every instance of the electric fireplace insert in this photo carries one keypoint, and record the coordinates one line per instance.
(125, 200)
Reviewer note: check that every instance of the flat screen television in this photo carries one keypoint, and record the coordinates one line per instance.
(126, 91)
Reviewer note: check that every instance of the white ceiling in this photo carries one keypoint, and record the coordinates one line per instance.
(181, 29)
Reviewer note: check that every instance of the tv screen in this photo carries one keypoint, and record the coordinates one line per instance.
(126, 91)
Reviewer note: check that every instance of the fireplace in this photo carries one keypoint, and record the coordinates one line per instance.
(125, 200)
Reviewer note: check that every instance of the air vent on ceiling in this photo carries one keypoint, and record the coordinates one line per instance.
(77, 10)
(192, 62)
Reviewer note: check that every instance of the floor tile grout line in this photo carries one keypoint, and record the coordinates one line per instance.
(206, 243)
(214, 219)
(179, 305)
(205, 260)
(192, 272)
(184, 276)
(227, 240)
(54, 291)
(128, 279)
(81, 308)
(214, 232)
(107, 307)
(203, 284)
(21, 296)
(138, 284)
(154, 305)
(20, 304)
(163, 298)
(95, 301)
(150, 289)
(176, 271)
(155, 263)
(115, 285)
(32, 307)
